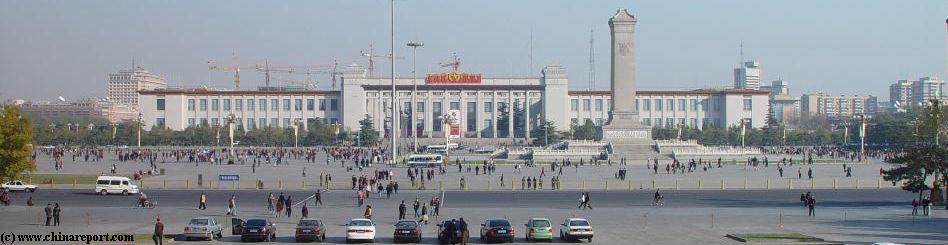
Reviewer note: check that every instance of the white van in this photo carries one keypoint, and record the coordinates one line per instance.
(115, 185)
(425, 160)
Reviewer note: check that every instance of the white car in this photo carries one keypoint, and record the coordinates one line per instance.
(17, 185)
(574, 229)
(115, 185)
(360, 230)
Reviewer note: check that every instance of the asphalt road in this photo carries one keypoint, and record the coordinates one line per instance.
(514, 199)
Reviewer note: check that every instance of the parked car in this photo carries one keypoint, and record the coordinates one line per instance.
(115, 185)
(360, 230)
(574, 229)
(17, 185)
(497, 230)
(258, 229)
(538, 229)
(407, 230)
(202, 228)
(310, 230)
(448, 236)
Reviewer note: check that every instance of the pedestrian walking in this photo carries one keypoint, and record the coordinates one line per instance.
(289, 206)
(401, 210)
(416, 206)
(811, 205)
(368, 212)
(582, 201)
(202, 203)
(57, 212)
(914, 207)
(29, 201)
(49, 213)
(465, 234)
(304, 211)
(588, 203)
(159, 232)
(424, 214)
(319, 198)
(926, 206)
(232, 205)
(270, 200)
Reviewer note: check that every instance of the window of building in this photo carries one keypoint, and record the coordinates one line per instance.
(263, 107)
(322, 104)
(286, 104)
(298, 105)
(704, 105)
(694, 104)
(471, 116)
(333, 105)
(286, 123)
(658, 105)
(274, 122)
(250, 123)
(310, 104)
(204, 122)
(455, 105)
(215, 104)
(192, 122)
(488, 107)
(638, 103)
(670, 104)
(681, 121)
(160, 122)
(694, 123)
(190, 104)
(599, 105)
(262, 122)
(669, 122)
(646, 105)
(598, 121)
(436, 116)
(215, 122)
(160, 104)
(587, 104)
(748, 103)
(238, 104)
(658, 122)
(203, 104)
(488, 128)
(226, 104)
(681, 105)
(647, 121)
(574, 104)
(274, 106)
(420, 107)
(574, 121)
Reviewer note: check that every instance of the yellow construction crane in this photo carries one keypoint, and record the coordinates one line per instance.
(308, 70)
(235, 68)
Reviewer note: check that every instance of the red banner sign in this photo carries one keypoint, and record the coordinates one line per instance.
(453, 77)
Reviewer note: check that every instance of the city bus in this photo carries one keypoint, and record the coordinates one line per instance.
(425, 160)
(440, 148)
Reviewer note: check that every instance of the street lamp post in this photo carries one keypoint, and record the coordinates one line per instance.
(296, 132)
(394, 111)
(138, 134)
(414, 81)
(743, 133)
(231, 118)
(861, 118)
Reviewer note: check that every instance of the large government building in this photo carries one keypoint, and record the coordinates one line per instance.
(487, 107)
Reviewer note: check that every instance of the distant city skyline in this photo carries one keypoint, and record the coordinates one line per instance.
(53, 48)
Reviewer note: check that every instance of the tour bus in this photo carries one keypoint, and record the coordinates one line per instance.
(425, 160)
(440, 148)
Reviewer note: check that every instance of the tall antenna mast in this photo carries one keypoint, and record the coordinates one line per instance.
(741, 63)
(592, 62)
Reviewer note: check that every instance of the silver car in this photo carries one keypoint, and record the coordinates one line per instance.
(202, 228)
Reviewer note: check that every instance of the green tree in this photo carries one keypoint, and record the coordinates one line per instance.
(503, 119)
(917, 164)
(546, 133)
(15, 136)
(587, 131)
(367, 133)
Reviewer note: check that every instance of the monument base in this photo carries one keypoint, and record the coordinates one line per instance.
(629, 139)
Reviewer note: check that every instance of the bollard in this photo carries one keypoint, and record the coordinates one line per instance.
(302, 184)
(880, 184)
(74, 182)
(653, 184)
(676, 184)
(745, 183)
(857, 183)
(584, 185)
(233, 184)
(281, 184)
(812, 184)
(164, 184)
(712, 220)
(606, 183)
(780, 221)
(768, 184)
(489, 187)
(834, 184)
(187, 184)
(51, 183)
(88, 219)
(699, 184)
(630, 185)
(722, 184)
(441, 185)
(789, 184)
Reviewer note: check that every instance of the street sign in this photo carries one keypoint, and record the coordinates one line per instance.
(228, 177)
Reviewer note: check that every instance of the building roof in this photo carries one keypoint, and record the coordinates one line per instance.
(675, 92)
(201, 91)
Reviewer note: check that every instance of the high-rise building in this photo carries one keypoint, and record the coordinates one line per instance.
(747, 76)
(926, 89)
(782, 104)
(900, 93)
(905, 93)
(838, 106)
(123, 86)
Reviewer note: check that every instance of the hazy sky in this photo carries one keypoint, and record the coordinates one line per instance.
(51, 48)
